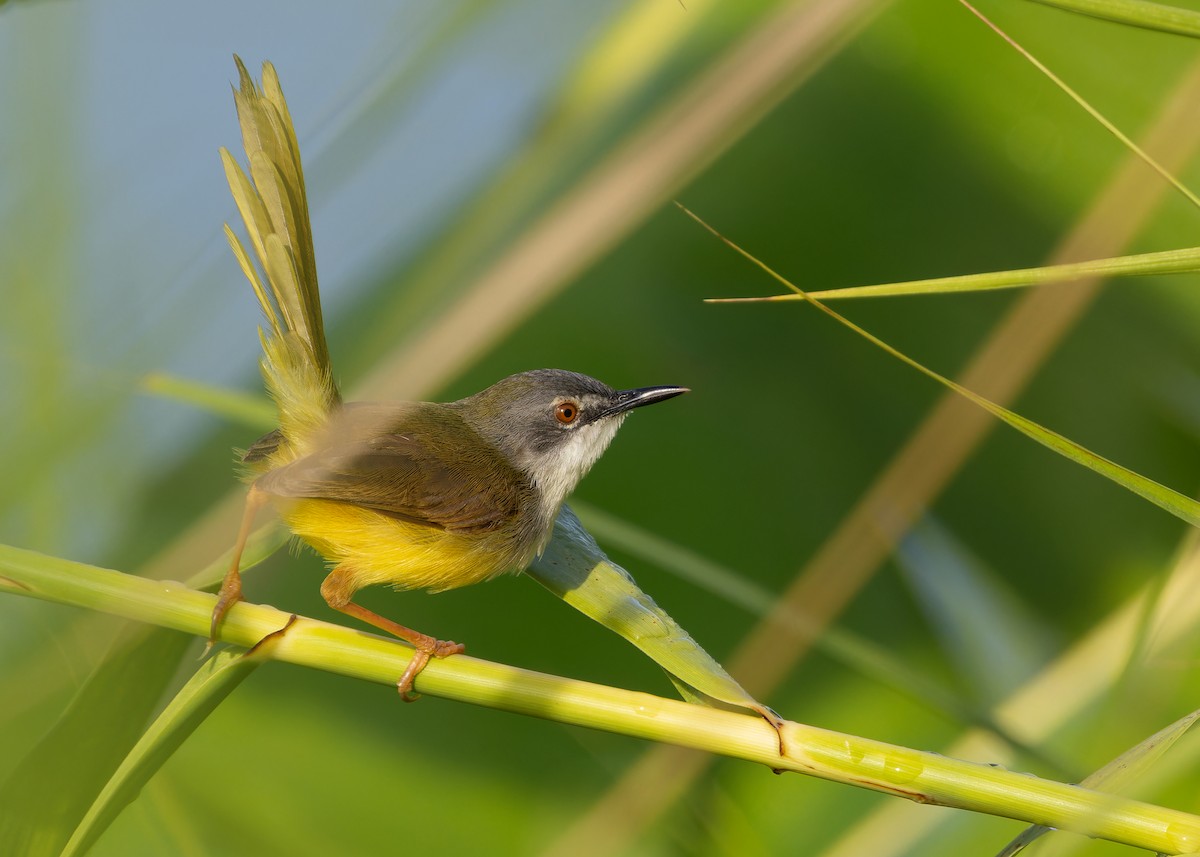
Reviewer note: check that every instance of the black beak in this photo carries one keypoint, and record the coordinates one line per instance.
(627, 400)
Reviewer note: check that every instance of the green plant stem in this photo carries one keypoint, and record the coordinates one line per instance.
(922, 777)
(1135, 13)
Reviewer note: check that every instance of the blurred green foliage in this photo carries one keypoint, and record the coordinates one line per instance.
(924, 147)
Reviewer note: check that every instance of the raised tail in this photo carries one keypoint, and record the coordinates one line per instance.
(274, 207)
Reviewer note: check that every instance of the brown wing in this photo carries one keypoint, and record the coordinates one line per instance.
(420, 463)
(264, 447)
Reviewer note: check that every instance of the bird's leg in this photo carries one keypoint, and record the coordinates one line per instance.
(337, 591)
(231, 587)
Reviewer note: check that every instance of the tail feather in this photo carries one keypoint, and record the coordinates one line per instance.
(274, 207)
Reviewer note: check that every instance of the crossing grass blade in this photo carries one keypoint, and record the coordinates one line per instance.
(1108, 126)
(1135, 13)
(1184, 261)
(117, 699)
(995, 641)
(851, 650)
(216, 678)
(1118, 773)
(249, 409)
(1179, 505)
(41, 805)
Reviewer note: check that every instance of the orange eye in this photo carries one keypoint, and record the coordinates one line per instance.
(566, 412)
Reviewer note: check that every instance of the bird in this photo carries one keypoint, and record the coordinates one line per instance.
(415, 495)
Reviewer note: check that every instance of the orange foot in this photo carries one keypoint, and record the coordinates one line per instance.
(427, 648)
(230, 594)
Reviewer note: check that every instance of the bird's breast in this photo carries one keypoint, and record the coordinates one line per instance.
(381, 549)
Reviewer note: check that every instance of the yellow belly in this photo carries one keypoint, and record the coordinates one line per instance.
(381, 549)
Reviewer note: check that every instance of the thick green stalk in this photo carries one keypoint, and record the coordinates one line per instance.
(923, 777)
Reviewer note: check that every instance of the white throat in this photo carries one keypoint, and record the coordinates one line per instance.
(559, 471)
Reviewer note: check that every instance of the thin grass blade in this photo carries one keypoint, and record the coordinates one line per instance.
(248, 409)
(1179, 505)
(262, 543)
(216, 678)
(983, 628)
(1183, 261)
(1135, 13)
(1117, 774)
(852, 650)
(1112, 129)
(41, 808)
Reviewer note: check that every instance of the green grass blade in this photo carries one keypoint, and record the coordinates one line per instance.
(1184, 261)
(216, 678)
(1118, 773)
(1135, 13)
(985, 630)
(575, 569)
(40, 805)
(1135, 761)
(249, 409)
(852, 650)
(1180, 505)
(115, 701)
(262, 543)
(1088, 108)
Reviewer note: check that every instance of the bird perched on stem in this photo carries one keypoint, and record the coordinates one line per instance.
(410, 494)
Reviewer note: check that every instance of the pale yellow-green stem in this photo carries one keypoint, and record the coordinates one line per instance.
(916, 775)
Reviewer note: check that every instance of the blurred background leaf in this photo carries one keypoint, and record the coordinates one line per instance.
(897, 143)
